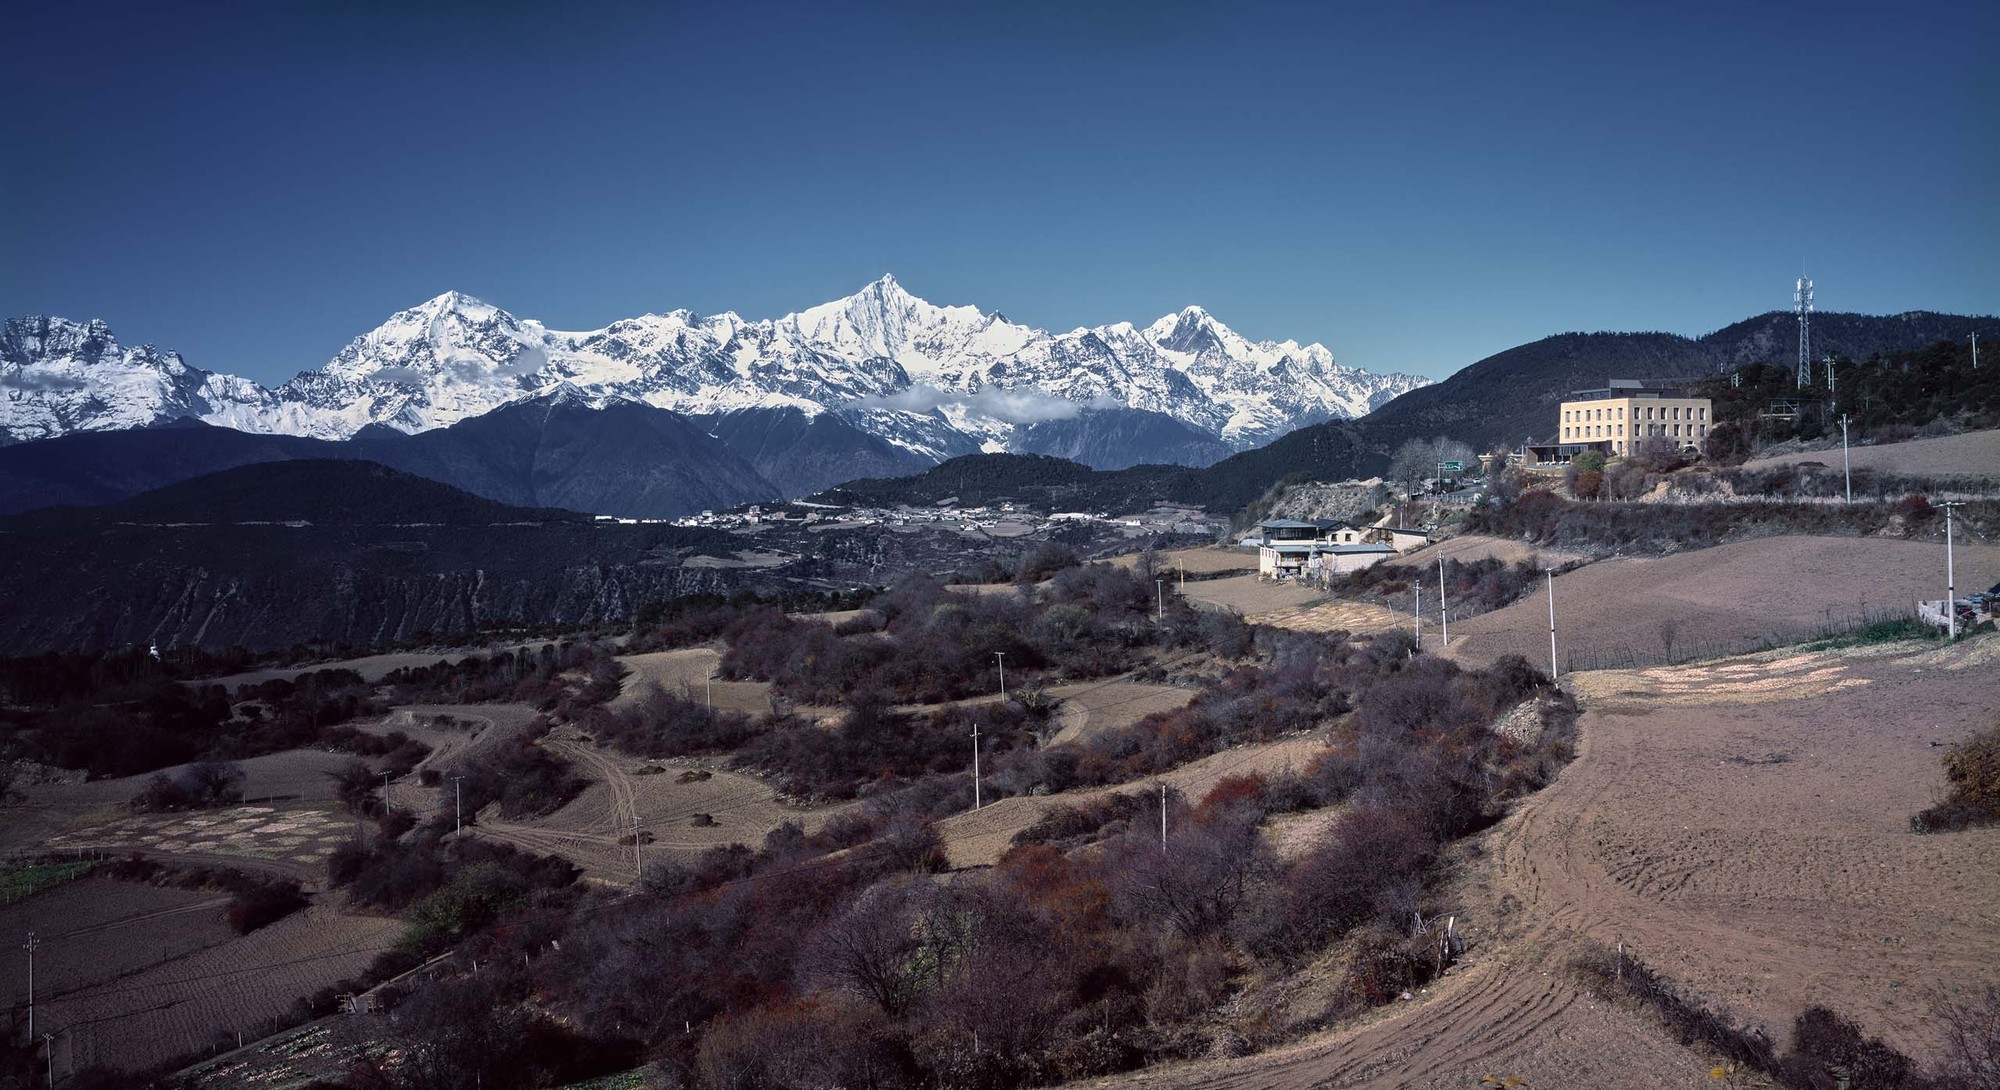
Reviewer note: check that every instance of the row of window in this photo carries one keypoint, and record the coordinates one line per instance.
(1669, 412)
(1606, 431)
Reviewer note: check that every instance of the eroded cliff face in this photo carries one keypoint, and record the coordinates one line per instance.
(273, 584)
(174, 606)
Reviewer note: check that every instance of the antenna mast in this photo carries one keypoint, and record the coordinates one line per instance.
(1802, 296)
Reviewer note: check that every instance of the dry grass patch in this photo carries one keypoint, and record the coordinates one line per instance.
(1972, 454)
(980, 837)
(1092, 707)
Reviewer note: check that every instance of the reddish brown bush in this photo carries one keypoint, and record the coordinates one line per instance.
(1915, 507)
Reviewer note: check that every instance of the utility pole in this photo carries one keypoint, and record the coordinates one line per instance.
(49, 1045)
(385, 774)
(1418, 615)
(1950, 575)
(1975, 351)
(458, 802)
(708, 689)
(1002, 656)
(1160, 598)
(975, 766)
(1444, 621)
(1181, 563)
(29, 946)
(1163, 816)
(1554, 673)
(1845, 471)
(638, 866)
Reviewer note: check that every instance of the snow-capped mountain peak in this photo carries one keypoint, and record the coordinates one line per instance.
(932, 379)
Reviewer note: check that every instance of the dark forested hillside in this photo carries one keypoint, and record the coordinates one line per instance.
(313, 491)
(1506, 398)
(623, 459)
(1886, 396)
(801, 455)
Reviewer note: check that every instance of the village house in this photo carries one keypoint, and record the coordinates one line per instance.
(1289, 548)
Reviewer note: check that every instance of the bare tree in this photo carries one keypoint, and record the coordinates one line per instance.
(1670, 627)
(870, 949)
(1419, 459)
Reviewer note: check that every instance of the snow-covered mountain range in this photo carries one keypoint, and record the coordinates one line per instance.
(936, 381)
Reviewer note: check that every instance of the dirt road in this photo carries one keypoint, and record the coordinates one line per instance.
(1739, 825)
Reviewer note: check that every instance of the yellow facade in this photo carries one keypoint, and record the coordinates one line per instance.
(1624, 421)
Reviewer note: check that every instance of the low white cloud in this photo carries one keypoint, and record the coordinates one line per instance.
(1020, 405)
(44, 382)
(408, 376)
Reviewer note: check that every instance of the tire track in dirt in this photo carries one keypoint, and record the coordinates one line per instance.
(126, 921)
(624, 796)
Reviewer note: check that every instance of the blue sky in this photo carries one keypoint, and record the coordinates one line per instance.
(1414, 185)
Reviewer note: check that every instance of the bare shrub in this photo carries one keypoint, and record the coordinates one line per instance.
(1971, 1029)
(200, 786)
(1828, 1050)
(1972, 786)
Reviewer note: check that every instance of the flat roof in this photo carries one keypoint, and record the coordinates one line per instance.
(1309, 547)
(1295, 524)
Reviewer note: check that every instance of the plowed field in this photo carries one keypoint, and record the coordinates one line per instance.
(180, 1004)
(1974, 454)
(1720, 599)
(740, 809)
(1739, 825)
(685, 672)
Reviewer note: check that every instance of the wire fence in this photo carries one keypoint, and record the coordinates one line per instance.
(1625, 657)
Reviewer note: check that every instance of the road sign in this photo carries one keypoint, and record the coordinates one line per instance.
(1454, 467)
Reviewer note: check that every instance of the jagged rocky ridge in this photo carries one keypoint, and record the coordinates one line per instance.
(930, 382)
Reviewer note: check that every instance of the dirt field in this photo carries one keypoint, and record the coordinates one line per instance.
(1719, 598)
(171, 1007)
(1207, 558)
(1469, 547)
(298, 836)
(981, 837)
(492, 725)
(95, 930)
(1092, 706)
(370, 667)
(686, 670)
(1742, 827)
(1974, 454)
(1251, 595)
(1362, 618)
(588, 831)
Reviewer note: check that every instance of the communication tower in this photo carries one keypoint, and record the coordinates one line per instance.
(1802, 296)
